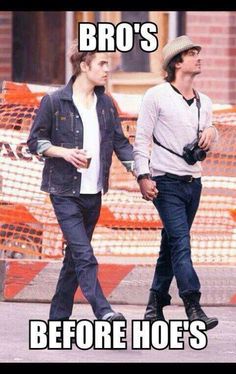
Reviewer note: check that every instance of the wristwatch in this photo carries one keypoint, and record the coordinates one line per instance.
(143, 176)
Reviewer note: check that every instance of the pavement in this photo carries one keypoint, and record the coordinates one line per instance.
(14, 342)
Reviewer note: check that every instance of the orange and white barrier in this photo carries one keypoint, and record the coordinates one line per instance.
(123, 281)
(128, 225)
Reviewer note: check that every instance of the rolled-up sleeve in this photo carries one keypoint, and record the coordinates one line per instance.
(122, 146)
(42, 125)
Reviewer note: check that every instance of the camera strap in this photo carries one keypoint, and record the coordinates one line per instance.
(198, 104)
(168, 149)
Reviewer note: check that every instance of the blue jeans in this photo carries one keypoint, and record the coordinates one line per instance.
(77, 217)
(177, 203)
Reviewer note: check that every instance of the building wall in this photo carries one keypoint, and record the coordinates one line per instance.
(6, 46)
(216, 33)
(125, 81)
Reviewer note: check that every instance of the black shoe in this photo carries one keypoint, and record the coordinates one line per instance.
(116, 317)
(154, 310)
(211, 322)
(195, 312)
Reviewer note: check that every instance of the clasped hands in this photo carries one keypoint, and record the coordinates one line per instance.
(148, 189)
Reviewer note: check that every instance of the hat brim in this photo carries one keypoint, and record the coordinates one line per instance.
(183, 49)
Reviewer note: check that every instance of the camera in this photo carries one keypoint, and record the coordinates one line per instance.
(193, 153)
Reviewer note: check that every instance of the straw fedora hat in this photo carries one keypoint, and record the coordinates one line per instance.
(176, 46)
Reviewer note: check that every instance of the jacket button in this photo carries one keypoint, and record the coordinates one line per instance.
(77, 131)
(75, 177)
(73, 192)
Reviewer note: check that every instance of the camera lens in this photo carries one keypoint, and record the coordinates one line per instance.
(199, 154)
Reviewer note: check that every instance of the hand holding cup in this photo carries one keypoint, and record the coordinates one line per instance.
(88, 156)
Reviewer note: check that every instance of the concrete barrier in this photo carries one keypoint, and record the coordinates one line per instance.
(124, 280)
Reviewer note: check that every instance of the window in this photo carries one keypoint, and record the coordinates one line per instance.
(39, 47)
(135, 60)
(181, 25)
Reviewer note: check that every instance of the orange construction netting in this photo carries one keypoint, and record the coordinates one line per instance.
(128, 225)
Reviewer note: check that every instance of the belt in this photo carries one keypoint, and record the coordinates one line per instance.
(184, 178)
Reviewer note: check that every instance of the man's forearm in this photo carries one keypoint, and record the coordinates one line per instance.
(55, 151)
(141, 157)
(46, 149)
(42, 146)
(216, 133)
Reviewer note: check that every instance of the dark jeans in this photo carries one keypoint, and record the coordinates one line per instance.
(177, 203)
(77, 217)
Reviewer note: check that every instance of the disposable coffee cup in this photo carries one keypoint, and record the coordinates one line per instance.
(88, 158)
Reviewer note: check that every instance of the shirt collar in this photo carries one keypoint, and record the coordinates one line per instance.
(67, 92)
(189, 101)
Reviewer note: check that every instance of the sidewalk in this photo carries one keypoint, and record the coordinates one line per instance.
(14, 327)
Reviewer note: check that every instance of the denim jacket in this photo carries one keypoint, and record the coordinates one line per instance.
(58, 121)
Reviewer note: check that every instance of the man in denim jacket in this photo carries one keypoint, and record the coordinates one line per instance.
(77, 120)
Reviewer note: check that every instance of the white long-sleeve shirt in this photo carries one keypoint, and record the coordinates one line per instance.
(165, 114)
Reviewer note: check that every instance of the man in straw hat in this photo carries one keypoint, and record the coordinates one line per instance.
(179, 121)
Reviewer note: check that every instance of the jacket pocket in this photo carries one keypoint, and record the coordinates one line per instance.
(64, 122)
(61, 171)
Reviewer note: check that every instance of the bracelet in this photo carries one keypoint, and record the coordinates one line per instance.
(143, 176)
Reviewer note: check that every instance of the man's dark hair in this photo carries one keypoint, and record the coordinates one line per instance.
(76, 57)
(171, 67)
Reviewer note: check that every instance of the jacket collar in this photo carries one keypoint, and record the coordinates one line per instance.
(66, 92)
